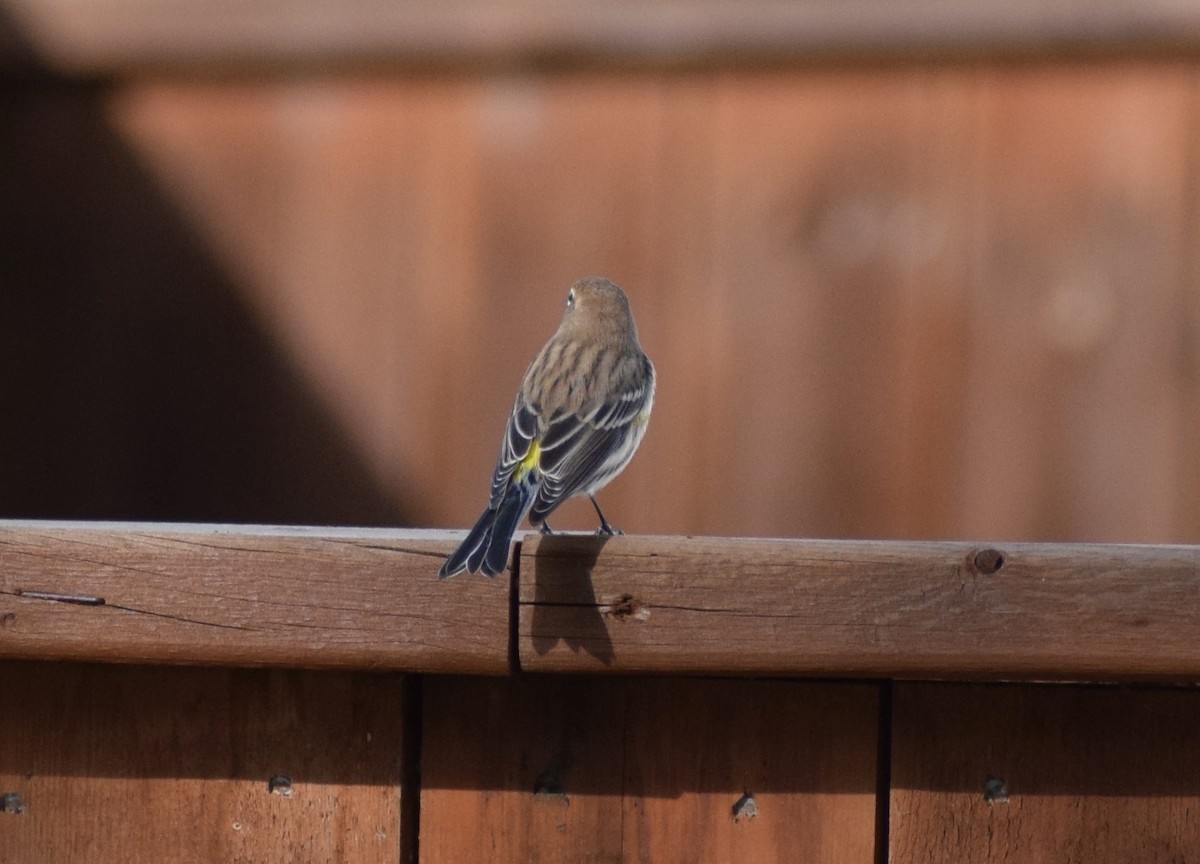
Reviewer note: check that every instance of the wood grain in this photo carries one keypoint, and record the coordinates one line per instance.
(100, 37)
(116, 764)
(246, 596)
(838, 310)
(1072, 774)
(1072, 420)
(357, 598)
(582, 769)
(525, 769)
(811, 607)
(728, 771)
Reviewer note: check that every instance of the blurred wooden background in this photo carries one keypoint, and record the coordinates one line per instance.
(905, 270)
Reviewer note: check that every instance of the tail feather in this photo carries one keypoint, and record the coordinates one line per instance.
(485, 549)
(477, 537)
(494, 558)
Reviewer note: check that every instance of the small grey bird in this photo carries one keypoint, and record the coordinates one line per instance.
(579, 416)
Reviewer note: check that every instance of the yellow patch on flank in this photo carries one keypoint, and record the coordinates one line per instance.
(532, 460)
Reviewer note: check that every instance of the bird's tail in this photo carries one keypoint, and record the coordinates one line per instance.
(476, 538)
(485, 549)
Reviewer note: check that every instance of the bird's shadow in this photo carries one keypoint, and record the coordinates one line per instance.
(565, 608)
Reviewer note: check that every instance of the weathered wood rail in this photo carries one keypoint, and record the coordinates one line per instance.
(369, 599)
(397, 721)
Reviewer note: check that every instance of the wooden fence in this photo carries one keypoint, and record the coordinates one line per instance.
(215, 693)
(940, 257)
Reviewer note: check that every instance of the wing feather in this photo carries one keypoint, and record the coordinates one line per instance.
(519, 436)
(575, 450)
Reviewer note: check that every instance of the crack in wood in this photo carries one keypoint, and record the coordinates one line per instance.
(715, 610)
(220, 547)
(56, 597)
(182, 618)
(91, 600)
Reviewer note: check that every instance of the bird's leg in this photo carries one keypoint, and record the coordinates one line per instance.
(544, 529)
(605, 530)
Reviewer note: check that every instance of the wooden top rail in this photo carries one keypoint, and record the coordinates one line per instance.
(103, 37)
(854, 608)
(370, 598)
(245, 596)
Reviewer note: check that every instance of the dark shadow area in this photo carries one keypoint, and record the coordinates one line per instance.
(1027, 740)
(552, 734)
(85, 720)
(565, 608)
(134, 383)
(647, 736)
(663, 737)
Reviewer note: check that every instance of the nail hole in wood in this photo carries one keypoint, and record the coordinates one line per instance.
(745, 808)
(628, 606)
(548, 785)
(987, 561)
(995, 791)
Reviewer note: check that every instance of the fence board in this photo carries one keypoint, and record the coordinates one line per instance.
(527, 769)
(567, 769)
(810, 607)
(119, 764)
(1076, 774)
(750, 771)
(245, 596)
(1076, 343)
(838, 279)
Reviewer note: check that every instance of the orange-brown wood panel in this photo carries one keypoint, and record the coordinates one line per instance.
(565, 769)
(1044, 774)
(731, 771)
(119, 764)
(834, 231)
(1188, 489)
(1073, 415)
(896, 302)
(521, 770)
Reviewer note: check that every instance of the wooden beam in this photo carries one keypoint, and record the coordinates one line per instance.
(370, 599)
(880, 609)
(245, 596)
(111, 36)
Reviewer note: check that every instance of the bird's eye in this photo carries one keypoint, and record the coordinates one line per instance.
(571, 298)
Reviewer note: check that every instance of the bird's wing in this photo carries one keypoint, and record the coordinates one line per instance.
(519, 437)
(575, 448)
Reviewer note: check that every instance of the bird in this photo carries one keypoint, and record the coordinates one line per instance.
(579, 416)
